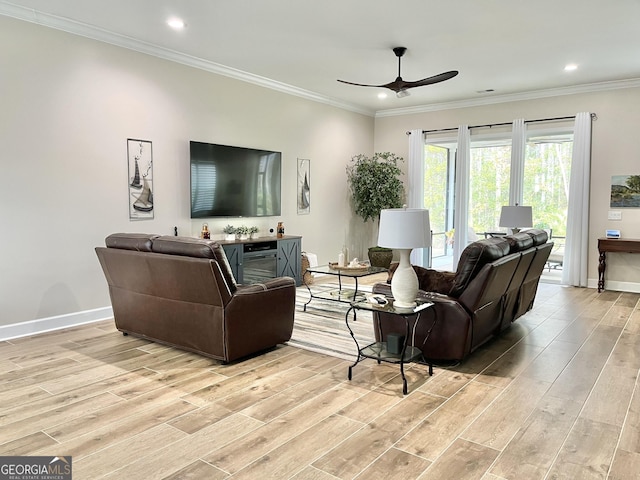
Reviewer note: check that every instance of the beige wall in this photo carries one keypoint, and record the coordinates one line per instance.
(614, 152)
(68, 106)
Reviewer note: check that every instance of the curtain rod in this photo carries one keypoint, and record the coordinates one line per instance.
(554, 119)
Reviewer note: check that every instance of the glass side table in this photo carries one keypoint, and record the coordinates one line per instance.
(378, 350)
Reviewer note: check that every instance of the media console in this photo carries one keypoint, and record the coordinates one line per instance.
(259, 259)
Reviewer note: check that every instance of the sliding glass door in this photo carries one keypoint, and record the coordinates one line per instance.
(546, 174)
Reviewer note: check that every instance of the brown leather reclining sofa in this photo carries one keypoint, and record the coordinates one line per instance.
(180, 291)
(495, 283)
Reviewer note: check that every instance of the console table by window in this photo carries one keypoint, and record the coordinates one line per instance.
(613, 245)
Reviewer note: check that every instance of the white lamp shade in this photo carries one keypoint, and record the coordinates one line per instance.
(516, 217)
(404, 228)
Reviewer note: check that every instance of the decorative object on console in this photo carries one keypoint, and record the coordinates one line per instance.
(516, 217)
(253, 231)
(230, 232)
(280, 230)
(243, 232)
(304, 190)
(404, 229)
(140, 160)
(205, 234)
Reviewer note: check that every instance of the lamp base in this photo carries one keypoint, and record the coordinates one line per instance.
(404, 283)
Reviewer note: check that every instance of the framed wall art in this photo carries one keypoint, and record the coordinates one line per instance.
(304, 189)
(140, 159)
(625, 191)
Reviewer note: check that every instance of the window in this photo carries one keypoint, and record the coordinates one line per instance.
(545, 180)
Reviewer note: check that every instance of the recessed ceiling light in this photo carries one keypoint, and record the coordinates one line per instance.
(382, 95)
(176, 23)
(570, 67)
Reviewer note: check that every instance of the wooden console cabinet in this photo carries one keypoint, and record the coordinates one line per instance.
(619, 245)
(273, 257)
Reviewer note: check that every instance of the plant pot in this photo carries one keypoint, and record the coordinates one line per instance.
(244, 236)
(380, 257)
(230, 237)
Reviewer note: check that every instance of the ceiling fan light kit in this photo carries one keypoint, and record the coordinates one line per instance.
(401, 86)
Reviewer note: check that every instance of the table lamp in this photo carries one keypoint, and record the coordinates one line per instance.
(515, 217)
(404, 229)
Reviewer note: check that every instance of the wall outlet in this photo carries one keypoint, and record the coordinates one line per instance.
(615, 215)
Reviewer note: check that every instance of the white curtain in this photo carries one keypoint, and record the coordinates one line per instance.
(415, 187)
(461, 220)
(518, 145)
(574, 267)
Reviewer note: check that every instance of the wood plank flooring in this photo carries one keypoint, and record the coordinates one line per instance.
(555, 397)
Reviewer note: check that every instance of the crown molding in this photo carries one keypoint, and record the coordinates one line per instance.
(513, 97)
(95, 33)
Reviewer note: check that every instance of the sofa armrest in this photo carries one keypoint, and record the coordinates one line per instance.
(259, 316)
(451, 336)
(429, 280)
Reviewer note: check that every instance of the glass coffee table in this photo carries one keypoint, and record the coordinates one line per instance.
(341, 294)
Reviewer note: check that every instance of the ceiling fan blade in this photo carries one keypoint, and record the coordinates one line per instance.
(361, 84)
(431, 80)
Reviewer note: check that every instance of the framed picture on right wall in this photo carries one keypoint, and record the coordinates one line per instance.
(304, 189)
(625, 191)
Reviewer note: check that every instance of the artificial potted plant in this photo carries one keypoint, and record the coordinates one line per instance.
(253, 231)
(375, 185)
(243, 232)
(230, 232)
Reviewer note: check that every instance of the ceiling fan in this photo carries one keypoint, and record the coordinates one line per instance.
(400, 86)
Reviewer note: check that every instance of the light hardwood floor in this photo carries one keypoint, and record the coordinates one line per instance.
(555, 397)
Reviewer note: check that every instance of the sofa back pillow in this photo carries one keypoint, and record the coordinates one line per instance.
(473, 258)
(140, 242)
(519, 241)
(538, 235)
(195, 247)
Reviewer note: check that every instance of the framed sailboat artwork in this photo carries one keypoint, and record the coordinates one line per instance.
(304, 190)
(140, 159)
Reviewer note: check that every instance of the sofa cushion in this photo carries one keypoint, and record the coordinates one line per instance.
(519, 241)
(198, 248)
(140, 242)
(473, 258)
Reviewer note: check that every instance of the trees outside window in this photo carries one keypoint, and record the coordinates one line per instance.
(546, 177)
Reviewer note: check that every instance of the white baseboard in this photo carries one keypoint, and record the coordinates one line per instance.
(42, 325)
(630, 287)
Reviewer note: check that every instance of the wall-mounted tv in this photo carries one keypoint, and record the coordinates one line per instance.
(229, 181)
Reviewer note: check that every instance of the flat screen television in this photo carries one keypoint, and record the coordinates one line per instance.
(229, 181)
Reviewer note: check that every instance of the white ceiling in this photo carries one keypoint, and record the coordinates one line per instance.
(518, 48)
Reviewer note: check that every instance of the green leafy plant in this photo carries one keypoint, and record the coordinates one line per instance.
(242, 230)
(375, 183)
(229, 229)
(253, 230)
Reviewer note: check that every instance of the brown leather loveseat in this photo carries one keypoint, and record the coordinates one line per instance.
(495, 283)
(180, 291)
